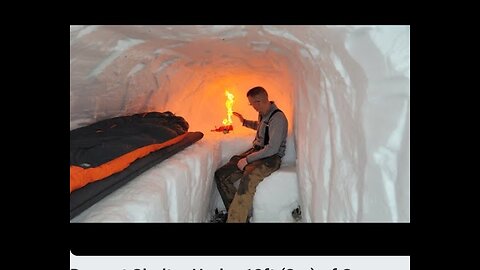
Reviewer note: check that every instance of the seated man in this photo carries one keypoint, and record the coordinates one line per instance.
(258, 162)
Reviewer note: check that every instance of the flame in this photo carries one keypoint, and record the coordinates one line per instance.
(229, 105)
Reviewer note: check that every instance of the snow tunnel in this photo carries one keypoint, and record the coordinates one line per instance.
(345, 91)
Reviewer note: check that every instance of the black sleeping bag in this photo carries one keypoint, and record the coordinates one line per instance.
(95, 144)
(106, 140)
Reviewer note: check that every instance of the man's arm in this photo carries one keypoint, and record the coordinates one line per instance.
(245, 122)
(250, 124)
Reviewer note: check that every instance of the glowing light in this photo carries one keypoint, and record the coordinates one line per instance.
(229, 105)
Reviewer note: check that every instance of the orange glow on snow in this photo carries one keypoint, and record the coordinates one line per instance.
(197, 92)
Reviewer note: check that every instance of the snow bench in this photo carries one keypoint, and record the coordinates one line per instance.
(176, 190)
(277, 195)
(180, 188)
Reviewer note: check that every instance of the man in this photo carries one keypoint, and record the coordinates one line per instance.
(253, 165)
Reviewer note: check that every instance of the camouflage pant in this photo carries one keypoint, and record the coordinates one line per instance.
(238, 203)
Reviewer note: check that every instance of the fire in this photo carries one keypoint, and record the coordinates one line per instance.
(229, 105)
(227, 123)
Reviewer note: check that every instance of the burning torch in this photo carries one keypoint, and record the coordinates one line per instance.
(227, 123)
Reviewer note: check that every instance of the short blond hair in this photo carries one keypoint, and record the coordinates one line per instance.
(257, 91)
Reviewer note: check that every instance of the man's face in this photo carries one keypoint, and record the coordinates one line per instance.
(259, 103)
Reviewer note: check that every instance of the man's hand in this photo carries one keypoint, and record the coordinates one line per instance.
(239, 116)
(242, 163)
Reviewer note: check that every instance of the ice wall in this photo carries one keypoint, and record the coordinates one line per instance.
(345, 90)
